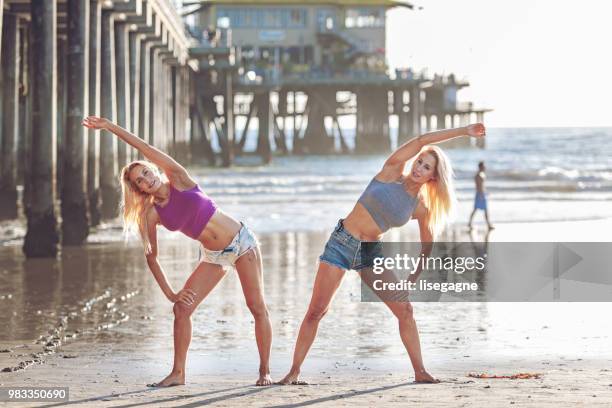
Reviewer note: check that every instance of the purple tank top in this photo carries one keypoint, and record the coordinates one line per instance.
(188, 211)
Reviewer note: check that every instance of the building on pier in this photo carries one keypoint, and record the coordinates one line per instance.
(329, 35)
(313, 62)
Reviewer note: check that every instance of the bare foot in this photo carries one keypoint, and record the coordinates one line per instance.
(425, 377)
(263, 380)
(174, 378)
(292, 379)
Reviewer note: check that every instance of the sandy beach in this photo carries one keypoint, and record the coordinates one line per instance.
(112, 331)
(102, 378)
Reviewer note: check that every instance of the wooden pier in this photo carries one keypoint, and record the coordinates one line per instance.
(420, 104)
(137, 63)
(61, 61)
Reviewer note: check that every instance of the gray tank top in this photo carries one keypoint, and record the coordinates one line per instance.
(389, 204)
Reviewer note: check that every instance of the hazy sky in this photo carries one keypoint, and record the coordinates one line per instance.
(536, 62)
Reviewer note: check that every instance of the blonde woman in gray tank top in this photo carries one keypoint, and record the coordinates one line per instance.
(394, 196)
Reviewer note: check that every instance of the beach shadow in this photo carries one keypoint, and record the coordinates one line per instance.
(253, 390)
(343, 396)
(63, 404)
(148, 389)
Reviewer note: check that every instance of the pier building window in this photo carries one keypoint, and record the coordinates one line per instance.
(249, 19)
(224, 19)
(223, 22)
(261, 18)
(272, 19)
(363, 17)
(297, 18)
(326, 19)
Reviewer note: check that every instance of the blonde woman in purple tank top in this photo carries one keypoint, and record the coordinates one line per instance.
(392, 197)
(177, 203)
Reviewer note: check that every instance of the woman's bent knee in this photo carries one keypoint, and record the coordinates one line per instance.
(258, 309)
(181, 310)
(405, 313)
(316, 313)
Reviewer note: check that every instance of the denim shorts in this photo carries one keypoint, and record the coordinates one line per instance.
(243, 241)
(347, 252)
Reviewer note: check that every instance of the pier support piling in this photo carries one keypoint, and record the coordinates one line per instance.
(144, 92)
(414, 111)
(9, 105)
(23, 101)
(201, 142)
(153, 95)
(122, 75)
(316, 139)
(440, 121)
(134, 51)
(239, 144)
(109, 187)
(264, 117)
(61, 109)
(372, 134)
(75, 223)
(404, 124)
(42, 235)
(227, 155)
(93, 145)
(1, 18)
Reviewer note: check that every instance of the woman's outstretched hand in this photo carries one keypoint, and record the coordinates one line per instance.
(186, 296)
(476, 130)
(95, 122)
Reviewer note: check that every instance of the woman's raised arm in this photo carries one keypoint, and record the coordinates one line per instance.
(170, 166)
(412, 147)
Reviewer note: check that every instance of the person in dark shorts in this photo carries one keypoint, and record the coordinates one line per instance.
(480, 201)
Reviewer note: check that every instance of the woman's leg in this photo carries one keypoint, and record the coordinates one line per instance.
(249, 269)
(202, 281)
(410, 337)
(326, 284)
(407, 326)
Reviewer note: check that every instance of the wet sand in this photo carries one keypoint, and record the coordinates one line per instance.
(95, 321)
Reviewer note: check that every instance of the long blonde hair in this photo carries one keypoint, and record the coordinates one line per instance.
(135, 204)
(439, 193)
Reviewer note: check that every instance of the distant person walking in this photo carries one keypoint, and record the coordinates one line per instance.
(480, 202)
(174, 200)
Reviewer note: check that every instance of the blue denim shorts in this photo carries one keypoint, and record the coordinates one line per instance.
(347, 252)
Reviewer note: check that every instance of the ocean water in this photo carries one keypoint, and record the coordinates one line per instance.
(533, 174)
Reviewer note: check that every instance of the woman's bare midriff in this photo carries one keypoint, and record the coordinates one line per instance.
(360, 224)
(219, 232)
